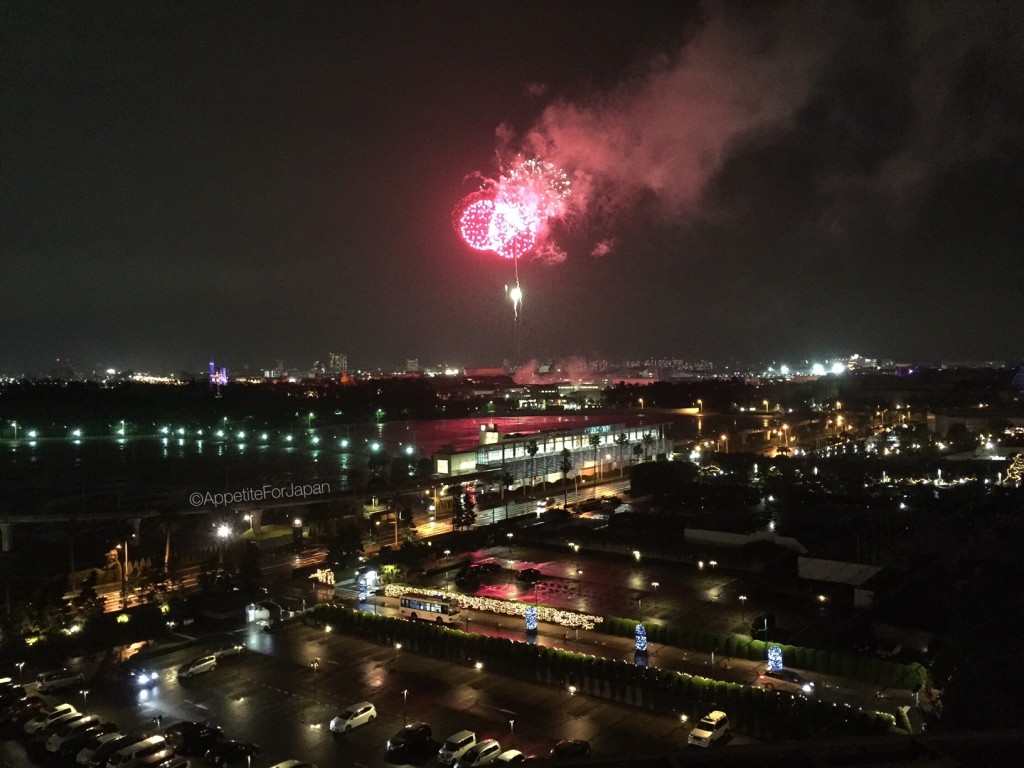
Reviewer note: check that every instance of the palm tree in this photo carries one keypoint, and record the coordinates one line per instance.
(648, 440)
(595, 441)
(565, 465)
(532, 448)
(621, 440)
(638, 451)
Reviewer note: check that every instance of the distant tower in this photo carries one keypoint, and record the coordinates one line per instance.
(218, 377)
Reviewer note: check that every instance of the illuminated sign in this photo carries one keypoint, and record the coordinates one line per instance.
(774, 657)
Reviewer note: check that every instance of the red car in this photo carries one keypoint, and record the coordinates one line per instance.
(22, 711)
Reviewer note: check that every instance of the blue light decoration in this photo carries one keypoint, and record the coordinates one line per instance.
(531, 619)
(641, 638)
(363, 592)
(774, 657)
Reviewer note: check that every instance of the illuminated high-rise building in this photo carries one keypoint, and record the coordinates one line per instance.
(337, 363)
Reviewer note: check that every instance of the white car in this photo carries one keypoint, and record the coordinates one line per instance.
(229, 648)
(66, 731)
(710, 729)
(484, 753)
(48, 717)
(57, 678)
(358, 714)
(84, 757)
(198, 666)
(510, 757)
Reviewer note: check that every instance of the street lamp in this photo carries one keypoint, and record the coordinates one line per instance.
(405, 700)
(512, 732)
(85, 697)
(743, 608)
(655, 585)
(509, 535)
(21, 666)
(579, 572)
(223, 531)
(700, 405)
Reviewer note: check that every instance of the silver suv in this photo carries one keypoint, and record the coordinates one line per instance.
(785, 679)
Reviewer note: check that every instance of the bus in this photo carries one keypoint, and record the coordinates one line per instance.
(425, 609)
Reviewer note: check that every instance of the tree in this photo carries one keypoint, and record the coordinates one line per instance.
(532, 448)
(648, 441)
(463, 514)
(638, 451)
(621, 440)
(595, 442)
(565, 465)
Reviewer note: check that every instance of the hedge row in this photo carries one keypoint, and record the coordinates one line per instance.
(866, 668)
(761, 713)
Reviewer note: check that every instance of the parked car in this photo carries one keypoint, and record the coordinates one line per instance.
(198, 741)
(69, 728)
(84, 755)
(22, 710)
(785, 679)
(11, 693)
(712, 727)
(48, 716)
(178, 732)
(293, 764)
(361, 713)
(229, 751)
(409, 737)
(43, 734)
(569, 748)
(198, 666)
(455, 746)
(102, 753)
(510, 757)
(149, 751)
(529, 575)
(58, 678)
(488, 567)
(77, 741)
(482, 753)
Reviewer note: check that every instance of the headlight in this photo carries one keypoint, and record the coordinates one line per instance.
(808, 688)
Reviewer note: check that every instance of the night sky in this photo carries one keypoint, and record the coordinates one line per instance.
(260, 181)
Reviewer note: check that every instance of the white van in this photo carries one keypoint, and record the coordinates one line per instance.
(455, 746)
(140, 749)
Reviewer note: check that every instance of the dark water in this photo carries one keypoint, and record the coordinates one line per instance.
(68, 478)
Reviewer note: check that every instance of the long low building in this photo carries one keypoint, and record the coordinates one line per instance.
(537, 457)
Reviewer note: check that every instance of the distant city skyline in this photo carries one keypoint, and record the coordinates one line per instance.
(735, 181)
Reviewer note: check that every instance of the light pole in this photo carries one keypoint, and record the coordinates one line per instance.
(85, 697)
(579, 572)
(743, 608)
(655, 585)
(223, 531)
(21, 667)
(405, 700)
(512, 732)
(447, 554)
(509, 535)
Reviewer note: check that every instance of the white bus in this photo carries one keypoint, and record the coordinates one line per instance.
(426, 609)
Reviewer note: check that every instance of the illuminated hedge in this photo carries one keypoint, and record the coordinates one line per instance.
(507, 607)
